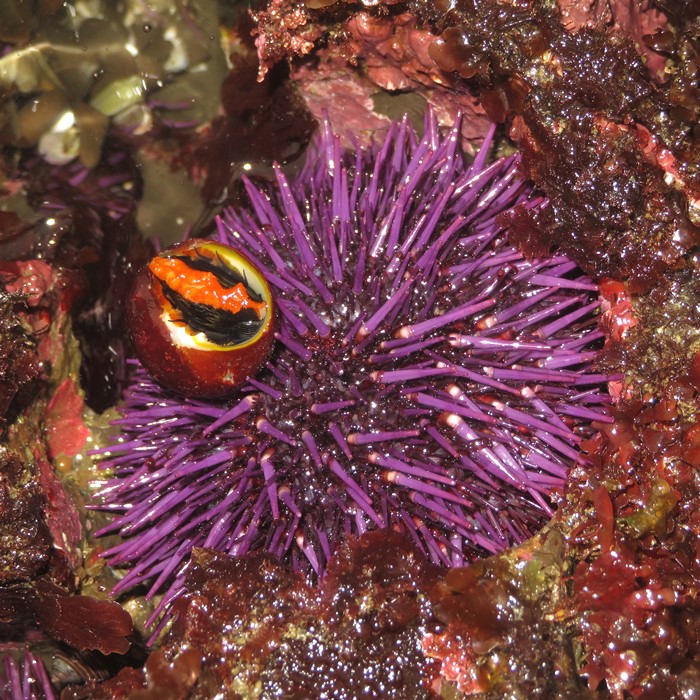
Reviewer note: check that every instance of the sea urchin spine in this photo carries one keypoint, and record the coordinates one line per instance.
(25, 680)
(426, 377)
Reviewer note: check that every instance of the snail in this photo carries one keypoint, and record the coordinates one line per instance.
(201, 318)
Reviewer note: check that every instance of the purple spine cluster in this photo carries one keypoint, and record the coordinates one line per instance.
(426, 378)
(25, 680)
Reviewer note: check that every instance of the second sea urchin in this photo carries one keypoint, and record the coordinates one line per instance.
(426, 377)
(24, 678)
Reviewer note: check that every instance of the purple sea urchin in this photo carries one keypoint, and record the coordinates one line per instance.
(427, 378)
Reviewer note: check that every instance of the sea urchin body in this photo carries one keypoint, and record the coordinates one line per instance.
(426, 377)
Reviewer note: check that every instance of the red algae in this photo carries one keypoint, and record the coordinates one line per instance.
(634, 586)
(66, 433)
(580, 105)
(24, 537)
(261, 123)
(40, 529)
(501, 631)
(19, 364)
(259, 629)
(659, 352)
